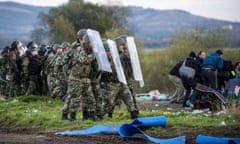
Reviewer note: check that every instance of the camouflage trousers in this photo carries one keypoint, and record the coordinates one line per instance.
(79, 91)
(113, 92)
(16, 88)
(33, 85)
(133, 93)
(4, 86)
(98, 98)
(51, 83)
(109, 92)
(59, 89)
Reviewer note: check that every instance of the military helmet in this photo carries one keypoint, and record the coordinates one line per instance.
(120, 40)
(65, 45)
(85, 39)
(5, 50)
(16, 43)
(42, 49)
(81, 33)
(56, 46)
(105, 45)
(32, 45)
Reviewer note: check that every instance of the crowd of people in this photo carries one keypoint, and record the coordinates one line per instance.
(69, 72)
(211, 71)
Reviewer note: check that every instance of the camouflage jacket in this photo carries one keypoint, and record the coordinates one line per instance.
(81, 65)
(15, 61)
(126, 63)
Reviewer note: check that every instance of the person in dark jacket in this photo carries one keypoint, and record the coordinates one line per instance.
(174, 76)
(210, 64)
(190, 83)
(200, 57)
(230, 91)
(225, 75)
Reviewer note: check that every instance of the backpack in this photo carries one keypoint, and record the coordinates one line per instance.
(186, 70)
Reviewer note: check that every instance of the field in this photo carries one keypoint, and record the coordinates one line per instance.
(35, 119)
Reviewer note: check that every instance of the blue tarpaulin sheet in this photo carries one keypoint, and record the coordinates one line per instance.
(201, 139)
(129, 130)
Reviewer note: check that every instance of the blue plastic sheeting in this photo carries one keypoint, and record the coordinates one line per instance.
(129, 130)
(150, 121)
(201, 139)
(104, 129)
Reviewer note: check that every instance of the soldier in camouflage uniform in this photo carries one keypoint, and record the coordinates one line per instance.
(42, 55)
(109, 84)
(15, 67)
(95, 82)
(74, 48)
(114, 91)
(49, 69)
(79, 83)
(31, 69)
(60, 88)
(4, 71)
(68, 64)
(127, 91)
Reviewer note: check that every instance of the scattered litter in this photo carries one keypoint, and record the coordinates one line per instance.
(222, 123)
(169, 109)
(197, 111)
(206, 115)
(153, 96)
(14, 101)
(156, 105)
(221, 112)
(3, 98)
(31, 111)
(34, 110)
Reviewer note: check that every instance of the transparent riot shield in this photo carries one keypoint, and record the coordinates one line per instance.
(116, 60)
(137, 72)
(99, 50)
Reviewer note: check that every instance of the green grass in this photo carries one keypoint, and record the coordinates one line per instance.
(44, 112)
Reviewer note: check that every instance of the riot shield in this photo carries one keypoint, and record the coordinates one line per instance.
(99, 50)
(137, 72)
(116, 60)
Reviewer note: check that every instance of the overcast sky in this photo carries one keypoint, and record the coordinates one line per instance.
(219, 9)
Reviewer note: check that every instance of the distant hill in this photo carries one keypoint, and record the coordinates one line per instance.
(154, 27)
(17, 20)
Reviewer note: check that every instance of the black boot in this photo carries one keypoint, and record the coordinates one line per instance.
(134, 114)
(92, 116)
(64, 116)
(110, 115)
(85, 115)
(72, 116)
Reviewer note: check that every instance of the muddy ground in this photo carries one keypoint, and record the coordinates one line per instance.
(42, 136)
